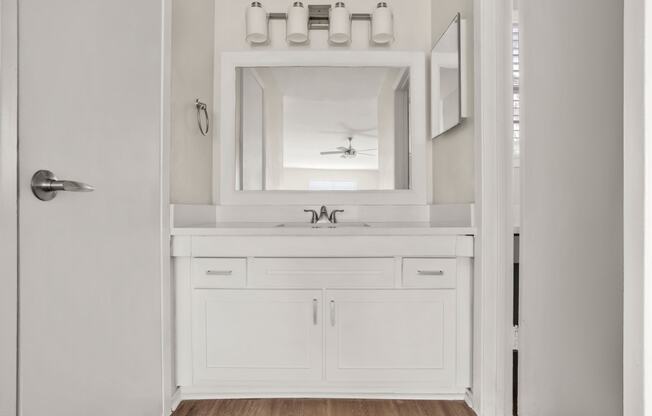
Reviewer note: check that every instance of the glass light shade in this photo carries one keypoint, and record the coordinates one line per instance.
(339, 30)
(297, 23)
(382, 24)
(256, 22)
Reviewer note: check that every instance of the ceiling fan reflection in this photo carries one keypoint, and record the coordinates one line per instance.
(348, 152)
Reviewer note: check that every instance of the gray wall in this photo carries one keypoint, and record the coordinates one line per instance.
(572, 221)
(453, 160)
(192, 77)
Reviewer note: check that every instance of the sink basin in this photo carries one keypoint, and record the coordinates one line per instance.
(337, 225)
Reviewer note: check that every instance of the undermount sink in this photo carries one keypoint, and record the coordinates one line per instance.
(324, 225)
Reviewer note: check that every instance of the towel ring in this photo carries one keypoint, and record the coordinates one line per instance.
(201, 107)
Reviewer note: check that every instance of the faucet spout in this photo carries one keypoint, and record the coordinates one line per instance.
(323, 215)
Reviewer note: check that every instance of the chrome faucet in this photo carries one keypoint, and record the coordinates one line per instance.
(323, 217)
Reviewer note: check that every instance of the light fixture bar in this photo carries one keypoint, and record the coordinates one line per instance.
(277, 16)
(318, 16)
(361, 16)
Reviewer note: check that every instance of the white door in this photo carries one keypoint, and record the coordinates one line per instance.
(90, 263)
(257, 335)
(571, 258)
(391, 335)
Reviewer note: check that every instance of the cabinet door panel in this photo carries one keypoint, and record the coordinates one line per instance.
(250, 335)
(397, 335)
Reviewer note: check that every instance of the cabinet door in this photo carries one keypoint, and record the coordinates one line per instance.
(391, 335)
(257, 335)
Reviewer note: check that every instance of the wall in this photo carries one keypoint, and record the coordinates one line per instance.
(453, 160)
(571, 354)
(192, 77)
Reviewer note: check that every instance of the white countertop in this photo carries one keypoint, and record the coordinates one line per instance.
(370, 228)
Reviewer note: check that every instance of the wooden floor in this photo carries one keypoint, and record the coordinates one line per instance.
(321, 407)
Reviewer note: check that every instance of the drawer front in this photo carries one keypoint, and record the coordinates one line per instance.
(216, 273)
(317, 273)
(429, 273)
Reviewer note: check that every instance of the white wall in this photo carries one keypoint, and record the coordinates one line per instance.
(572, 216)
(192, 77)
(453, 160)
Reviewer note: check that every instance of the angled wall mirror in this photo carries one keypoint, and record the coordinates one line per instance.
(447, 79)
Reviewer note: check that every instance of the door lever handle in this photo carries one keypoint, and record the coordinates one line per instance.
(45, 185)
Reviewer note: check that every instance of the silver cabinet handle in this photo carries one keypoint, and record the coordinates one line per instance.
(45, 185)
(315, 304)
(332, 305)
(219, 272)
(430, 272)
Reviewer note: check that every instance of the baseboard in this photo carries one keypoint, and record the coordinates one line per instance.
(196, 393)
(176, 400)
(468, 399)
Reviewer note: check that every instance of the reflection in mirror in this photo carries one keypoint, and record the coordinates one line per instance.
(446, 80)
(322, 128)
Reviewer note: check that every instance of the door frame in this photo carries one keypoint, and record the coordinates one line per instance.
(494, 256)
(9, 206)
(637, 176)
(492, 373)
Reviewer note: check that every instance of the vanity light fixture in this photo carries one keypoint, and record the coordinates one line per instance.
(339, 29)
(297, 23)
(256, 21)
(382, 24)
(336, 19)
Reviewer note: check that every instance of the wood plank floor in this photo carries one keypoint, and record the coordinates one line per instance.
(322, 407)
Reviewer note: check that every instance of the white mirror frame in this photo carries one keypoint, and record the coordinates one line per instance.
(224, 144)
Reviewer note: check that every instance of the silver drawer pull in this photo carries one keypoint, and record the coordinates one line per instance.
(430, 272)
(314, 311)
(332, 313)
(219, 272)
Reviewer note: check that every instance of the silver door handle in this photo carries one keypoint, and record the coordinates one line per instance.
(314, 311)
(430, 272)
(332, 304)
(45, 185)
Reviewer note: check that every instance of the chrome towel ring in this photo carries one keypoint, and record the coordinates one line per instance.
(202, 108)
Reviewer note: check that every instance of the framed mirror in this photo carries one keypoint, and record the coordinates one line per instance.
(446, 80)
(306, 127)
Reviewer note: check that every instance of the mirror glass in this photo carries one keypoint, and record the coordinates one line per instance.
(322, 128)
(446, 80)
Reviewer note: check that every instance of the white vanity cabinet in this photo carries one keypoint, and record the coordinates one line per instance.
(359, 322)
(391, 335)
(241, 335)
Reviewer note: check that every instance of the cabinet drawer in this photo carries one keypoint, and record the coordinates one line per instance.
(317, 273)
(215, 273)
(429, 273)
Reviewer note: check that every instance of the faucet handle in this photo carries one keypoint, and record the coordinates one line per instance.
(333, 216)
(314, 215)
